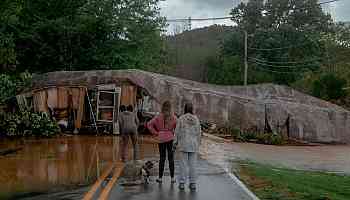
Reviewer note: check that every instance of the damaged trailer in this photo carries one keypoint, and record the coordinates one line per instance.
(261, 108)
(84, 107)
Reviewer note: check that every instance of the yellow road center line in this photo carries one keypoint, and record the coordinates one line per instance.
(117, 172)
(94, 188)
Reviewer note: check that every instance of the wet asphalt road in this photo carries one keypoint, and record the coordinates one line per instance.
(76, 194)
(213, 183)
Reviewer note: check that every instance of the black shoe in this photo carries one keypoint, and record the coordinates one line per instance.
(159, 180)
(181, 186)
(173, 180)
(193, 187)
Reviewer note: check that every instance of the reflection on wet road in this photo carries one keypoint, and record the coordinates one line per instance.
(53, 165)
(65, 167)
(213, 183)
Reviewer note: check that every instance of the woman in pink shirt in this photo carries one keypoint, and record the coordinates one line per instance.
(163, 127)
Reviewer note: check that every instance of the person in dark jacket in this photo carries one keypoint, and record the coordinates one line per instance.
(128, 124)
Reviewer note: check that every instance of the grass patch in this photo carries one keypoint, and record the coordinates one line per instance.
(285, 184)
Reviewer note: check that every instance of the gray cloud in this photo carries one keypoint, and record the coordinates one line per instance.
(196, 8)
(174, 9)
(341, 10)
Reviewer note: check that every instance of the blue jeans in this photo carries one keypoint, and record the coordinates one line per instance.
(187, 160)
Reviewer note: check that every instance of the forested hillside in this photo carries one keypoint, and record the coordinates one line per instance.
(188, 52)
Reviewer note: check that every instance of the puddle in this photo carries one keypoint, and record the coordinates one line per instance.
(54, 165)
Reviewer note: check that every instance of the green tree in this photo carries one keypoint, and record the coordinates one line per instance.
(329, 87)
(285, 37)
(85, 34)
(9, 11)
(226, 71)
(248, 16)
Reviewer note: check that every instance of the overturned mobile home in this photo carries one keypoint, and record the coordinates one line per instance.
(256, 107)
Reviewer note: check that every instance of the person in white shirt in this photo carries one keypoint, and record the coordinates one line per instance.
(187, 141)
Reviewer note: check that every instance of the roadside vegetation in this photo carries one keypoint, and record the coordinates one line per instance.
(11, 85)
(237, 135)
(27, 123)
(269, 182)
(16, 122)
(260, 138)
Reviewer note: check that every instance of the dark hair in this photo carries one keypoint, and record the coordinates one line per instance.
(122, 108)
(189, 108)
(130, 108)
(166, 107)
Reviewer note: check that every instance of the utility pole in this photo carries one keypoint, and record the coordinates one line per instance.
(189, 24)
(245, 58)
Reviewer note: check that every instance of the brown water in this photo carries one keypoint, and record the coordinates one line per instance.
(49, 165)
(45, 165)
(330, 158)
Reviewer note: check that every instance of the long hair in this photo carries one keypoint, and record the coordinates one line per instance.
(122, 108)
(130, 108)
(188, 108)
(166, 111)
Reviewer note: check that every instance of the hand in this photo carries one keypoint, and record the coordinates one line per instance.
(155, 138)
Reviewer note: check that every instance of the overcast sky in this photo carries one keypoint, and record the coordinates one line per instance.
(174, 9)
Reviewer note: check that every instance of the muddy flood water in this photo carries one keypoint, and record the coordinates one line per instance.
(73, 163)
(53, 165)
(328, 158)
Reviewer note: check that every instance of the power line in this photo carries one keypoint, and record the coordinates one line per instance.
(326, 2)
(320, 4)
(229, 17)
(197, 19)
(287, 62)
(277, 48)
(259, 68)
(280, 66)
(285, 47)
(274, 71)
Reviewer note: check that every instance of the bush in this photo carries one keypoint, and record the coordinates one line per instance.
(26, 123)
(270, 138)
(22, 123)
(9, 86)
(261, 138)
(235, 132)
(329, 87)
